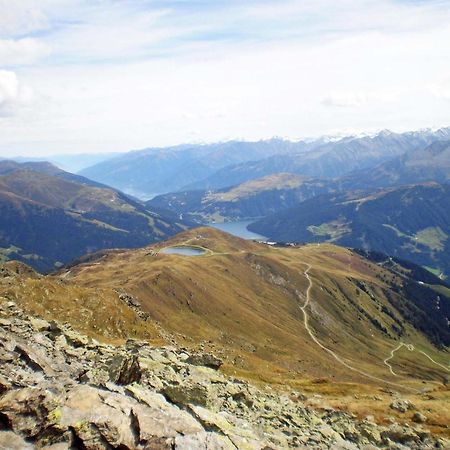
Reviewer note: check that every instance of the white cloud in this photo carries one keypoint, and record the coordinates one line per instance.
(129, 74)
(345, 99)
(357, 99)
(19, 17)
(13, 94)
(21, 51)
(441, 89)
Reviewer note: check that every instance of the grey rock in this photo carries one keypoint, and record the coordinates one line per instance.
(12, 441)
(188, 393)
(401, 405)
(399, 434)
(58, 446)
(26, 409)
(205, 359)
(34, 359)
(39, 324)
(124, 369)
(418, 417)
(204, 441)
(60, 389)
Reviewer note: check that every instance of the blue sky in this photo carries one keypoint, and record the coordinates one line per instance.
(104, 75)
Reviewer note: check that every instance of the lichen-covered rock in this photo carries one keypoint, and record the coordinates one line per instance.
(61, 390)
(205, 359)
(124, 369)
(203, 441)
(186, 393)
(25, 410)
(402, 405)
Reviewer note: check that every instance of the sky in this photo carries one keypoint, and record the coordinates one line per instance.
(88, 76)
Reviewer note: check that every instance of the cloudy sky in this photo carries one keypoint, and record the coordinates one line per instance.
(114, 75)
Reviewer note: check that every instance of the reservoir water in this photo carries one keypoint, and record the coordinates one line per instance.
(238, 229)
(183, 250)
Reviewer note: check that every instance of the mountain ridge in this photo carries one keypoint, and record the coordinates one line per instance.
(329, 160)
(154, 171)
(47, 220)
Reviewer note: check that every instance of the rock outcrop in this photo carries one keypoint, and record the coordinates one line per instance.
(62, 390)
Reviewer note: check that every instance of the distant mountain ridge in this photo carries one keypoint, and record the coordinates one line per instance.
(9, 166)
(159, 170)
(431, 163)
(70, 162)
(327, 160)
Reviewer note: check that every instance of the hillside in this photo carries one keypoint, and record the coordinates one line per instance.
(327, 160)
(246, 296)
(318, 319)
(61, 389)
(421, 165)
(69, 162)
(48, 220)
(411, 222)
(255, 198)
(44, 167)
(154, 171)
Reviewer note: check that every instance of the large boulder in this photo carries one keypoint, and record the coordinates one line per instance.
(205, 359)
(187, 393)
(124, 369)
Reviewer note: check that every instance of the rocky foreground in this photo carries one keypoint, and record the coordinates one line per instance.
(62, 390)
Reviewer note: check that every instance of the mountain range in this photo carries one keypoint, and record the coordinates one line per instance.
(298, 176)
(153, 171)
(255, 198)
(431, 163)
(263, 196)
(326, 160)
(70, 162)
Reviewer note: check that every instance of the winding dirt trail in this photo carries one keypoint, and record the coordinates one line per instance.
(410, 347)
(432, 360)
(331, 352)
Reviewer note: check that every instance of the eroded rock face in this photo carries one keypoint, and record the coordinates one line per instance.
(60, 390)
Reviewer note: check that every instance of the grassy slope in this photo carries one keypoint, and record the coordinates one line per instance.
(245, 297)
